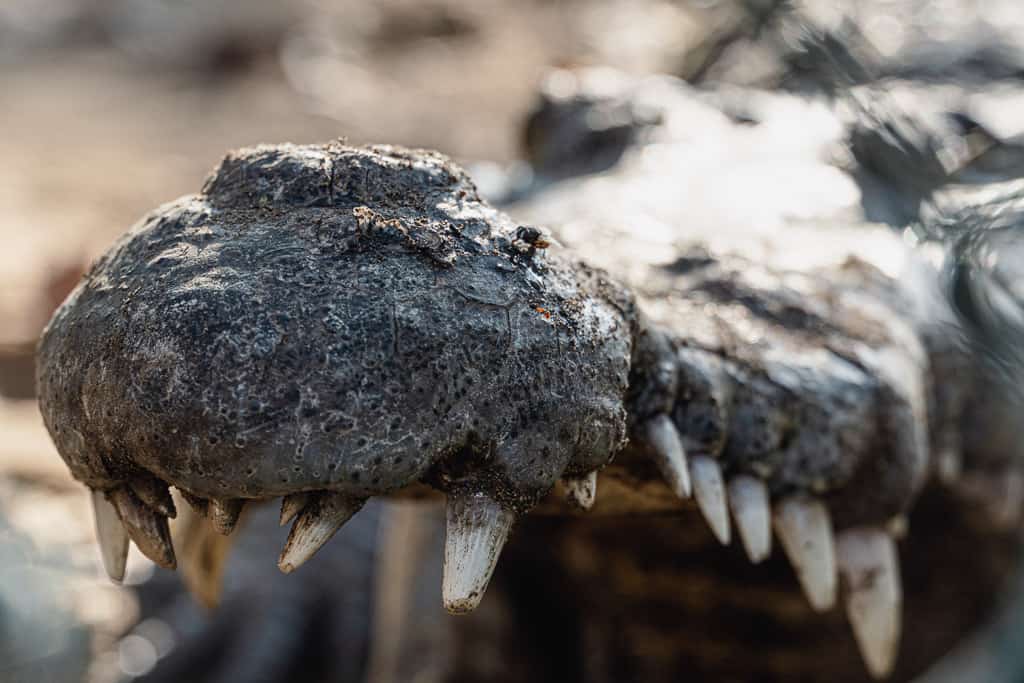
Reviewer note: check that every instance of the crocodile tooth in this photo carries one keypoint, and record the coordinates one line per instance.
(315, 525)
(709, 488)
(868, 563)
(582, 491)
(477, 527)
(663, 438)
(748, 498)
(203, 554)
(805, 528)
(291, 505)
(155, 494)
(111, 535)
(147, 528)
(224, 514)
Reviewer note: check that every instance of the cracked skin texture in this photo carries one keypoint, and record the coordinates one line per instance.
(358, 320)
(238, 343)
(334, 318)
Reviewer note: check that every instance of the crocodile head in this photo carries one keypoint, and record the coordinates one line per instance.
(324, 324)
(333, 323)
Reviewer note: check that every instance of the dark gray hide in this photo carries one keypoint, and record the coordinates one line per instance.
(330, 317)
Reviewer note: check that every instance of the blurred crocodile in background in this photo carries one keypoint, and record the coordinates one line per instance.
(757, 231)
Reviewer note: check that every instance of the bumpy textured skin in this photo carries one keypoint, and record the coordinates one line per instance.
(809, 349)
(330, 317)
(800, 379)
(358, 320)
(224, 342)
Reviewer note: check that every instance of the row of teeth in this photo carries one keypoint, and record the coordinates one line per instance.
(866, 557)
(477, 527)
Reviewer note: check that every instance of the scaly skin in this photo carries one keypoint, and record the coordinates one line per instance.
(697, 260)
(327, 362)
(352, 322)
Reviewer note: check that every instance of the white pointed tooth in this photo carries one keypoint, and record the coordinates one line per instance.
(320, 519)
(291, 505)
(805, 528)
(224, 513)
(477, 527)
(869, 564)
(582, 491)
(748, 498)
(146, 527)
(111, 535)
(706, 474)
(663, 438)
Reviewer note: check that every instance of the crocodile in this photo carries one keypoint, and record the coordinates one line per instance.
(666, 368)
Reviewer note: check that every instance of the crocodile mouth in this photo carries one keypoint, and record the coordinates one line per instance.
(863, 560)
(326, 324)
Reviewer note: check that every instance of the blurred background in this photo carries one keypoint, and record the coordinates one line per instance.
(109, 108)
